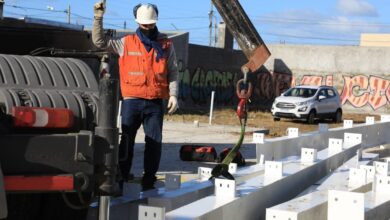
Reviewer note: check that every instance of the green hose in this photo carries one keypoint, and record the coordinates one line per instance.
(223, 167)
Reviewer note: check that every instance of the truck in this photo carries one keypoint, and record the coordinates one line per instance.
(58, 116)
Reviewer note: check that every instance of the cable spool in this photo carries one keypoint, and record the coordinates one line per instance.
(46, 72)
(49, 82)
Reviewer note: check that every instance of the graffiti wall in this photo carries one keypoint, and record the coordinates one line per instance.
(361, 92)
(196, 86)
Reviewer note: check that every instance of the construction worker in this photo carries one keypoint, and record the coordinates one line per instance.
(148, 74)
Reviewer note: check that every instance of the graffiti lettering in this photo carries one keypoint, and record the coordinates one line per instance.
(361, 90)
(184, 83)
(271, 85)
(196, 87)
(329, 80)
(316, 80)
(358, 90)
(311, 80)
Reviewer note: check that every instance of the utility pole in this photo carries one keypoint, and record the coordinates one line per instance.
(211, 15)
(68, 11)
(215, 31)
(1, 8)
(124, 25)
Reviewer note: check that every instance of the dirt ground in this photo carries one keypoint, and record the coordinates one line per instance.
(261, 119)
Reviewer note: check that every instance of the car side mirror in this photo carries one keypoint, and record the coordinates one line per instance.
(321, 97)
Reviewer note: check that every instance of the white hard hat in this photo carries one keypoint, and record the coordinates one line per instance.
(146, 13)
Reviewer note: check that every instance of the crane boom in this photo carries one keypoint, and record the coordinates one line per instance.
(244, 32)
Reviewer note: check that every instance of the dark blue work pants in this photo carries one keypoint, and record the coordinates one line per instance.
(150, 114)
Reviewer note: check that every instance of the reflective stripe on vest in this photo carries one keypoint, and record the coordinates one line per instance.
(140, 74)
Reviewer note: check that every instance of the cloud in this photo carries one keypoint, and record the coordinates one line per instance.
(356, 8)
(342, 24)
(310, 25)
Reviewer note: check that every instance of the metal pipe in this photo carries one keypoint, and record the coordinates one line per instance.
(104, 207)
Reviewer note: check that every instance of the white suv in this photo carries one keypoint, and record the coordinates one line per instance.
(309, 103)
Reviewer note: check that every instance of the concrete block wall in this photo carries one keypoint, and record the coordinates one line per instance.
(361, 75)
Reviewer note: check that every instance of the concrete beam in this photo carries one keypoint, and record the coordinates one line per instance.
(277, 148)
(366, 206)
(255, 195)
(195, 190)
(377, 201)
(313, 202)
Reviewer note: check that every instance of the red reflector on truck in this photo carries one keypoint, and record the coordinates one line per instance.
(35, 117)
(39, 183)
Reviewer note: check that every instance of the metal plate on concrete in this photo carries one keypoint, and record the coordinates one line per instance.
(151, 213)
(340, 201)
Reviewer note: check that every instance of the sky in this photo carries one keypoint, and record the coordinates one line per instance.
(319, 22)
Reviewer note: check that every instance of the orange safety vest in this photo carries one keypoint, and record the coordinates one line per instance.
(140, 75)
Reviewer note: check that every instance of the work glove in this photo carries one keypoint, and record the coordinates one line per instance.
(172, 104)
(99, 9)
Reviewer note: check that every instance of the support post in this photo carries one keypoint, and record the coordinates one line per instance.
(104, 207)
(106, 138)
(1, 8)
(211, 106)
(68, 12)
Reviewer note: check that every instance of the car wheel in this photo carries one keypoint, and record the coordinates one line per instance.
(310, 118)
(276, 119)
(338, 116)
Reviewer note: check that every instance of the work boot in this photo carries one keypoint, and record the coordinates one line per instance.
(130, 177)
(148, 182)
(121, 180)
(119, 190)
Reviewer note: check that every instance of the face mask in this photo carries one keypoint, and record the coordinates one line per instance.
(149, 33)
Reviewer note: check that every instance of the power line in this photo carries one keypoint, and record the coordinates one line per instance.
(318, 21)
(350, 24)
(54, 11)
(160, 18)
(36, 9)
(309, 37)
(266, 19)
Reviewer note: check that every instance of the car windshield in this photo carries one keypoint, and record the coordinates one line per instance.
(300, 92)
